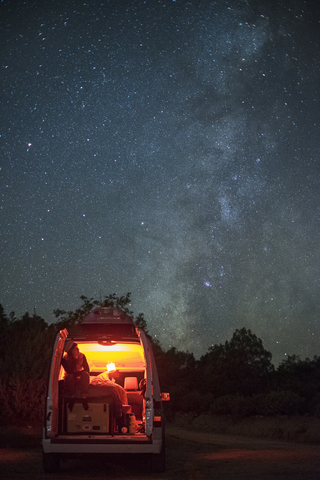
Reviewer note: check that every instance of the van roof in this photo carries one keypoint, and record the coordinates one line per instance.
(107, 315)
(108, 324)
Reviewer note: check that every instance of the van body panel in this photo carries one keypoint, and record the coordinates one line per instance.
(52, 410)
(92, 446)
(106, 337)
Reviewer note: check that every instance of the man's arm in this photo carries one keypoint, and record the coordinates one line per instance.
(85, 364)
(66, 366)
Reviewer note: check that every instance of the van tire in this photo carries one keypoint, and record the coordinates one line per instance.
(158, 460)
(50, 462)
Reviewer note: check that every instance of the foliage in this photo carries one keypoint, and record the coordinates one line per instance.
(24, 361)
(236, 405)
(141, 323)
(175, 365)
(300, 376)
(4, 321)
(67, 319)
(241, 366)
(20, 398)
(28, 348)
(71, 318)
(193, 401)
(279, 402)
(235, 378)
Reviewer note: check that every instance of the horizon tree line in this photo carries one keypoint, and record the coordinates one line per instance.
(235, 377)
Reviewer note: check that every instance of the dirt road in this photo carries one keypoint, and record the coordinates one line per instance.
(190, 456)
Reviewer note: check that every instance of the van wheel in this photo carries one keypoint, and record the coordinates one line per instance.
(158, 460)
(50, 462)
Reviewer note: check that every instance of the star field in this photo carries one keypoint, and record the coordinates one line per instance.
(169, 149)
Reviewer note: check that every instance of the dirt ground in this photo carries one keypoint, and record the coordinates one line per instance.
(191, 455)
(300, 429)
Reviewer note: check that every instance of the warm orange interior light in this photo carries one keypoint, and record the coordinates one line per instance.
(111, 367)
(124, 356)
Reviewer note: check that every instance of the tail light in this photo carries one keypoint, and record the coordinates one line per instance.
(165, 397)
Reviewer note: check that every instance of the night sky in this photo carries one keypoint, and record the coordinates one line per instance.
(169, 149)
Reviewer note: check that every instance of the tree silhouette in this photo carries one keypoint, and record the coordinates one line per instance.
(301, 377)
(24, 363)
(4, 321)
(70, 319)
(240, 366)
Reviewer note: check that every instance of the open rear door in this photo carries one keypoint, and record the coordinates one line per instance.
(52, 408)
(149, 385)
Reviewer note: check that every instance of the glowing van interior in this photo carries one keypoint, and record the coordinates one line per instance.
(126, 357)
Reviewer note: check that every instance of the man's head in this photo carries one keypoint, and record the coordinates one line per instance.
(72, 348)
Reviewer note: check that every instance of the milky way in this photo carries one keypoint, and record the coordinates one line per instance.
(169, 149)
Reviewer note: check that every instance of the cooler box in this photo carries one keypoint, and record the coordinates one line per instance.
(94, 420)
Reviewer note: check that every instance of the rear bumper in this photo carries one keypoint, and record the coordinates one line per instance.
(107, 444)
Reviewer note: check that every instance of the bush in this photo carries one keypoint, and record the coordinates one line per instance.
(314, 405)
(279, 402)
(235, 405)
(23, 398)
(24, 365)
(196, 402)
(221, 405)
(191, 402)
(243, 406)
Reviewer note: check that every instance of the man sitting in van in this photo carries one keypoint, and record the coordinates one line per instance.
(77, 373)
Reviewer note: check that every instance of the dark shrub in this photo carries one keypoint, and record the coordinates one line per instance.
(242, 406)
(195, 402)
(280, 402)
(221, 405)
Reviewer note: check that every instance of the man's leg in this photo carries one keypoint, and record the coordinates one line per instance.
(70, 384)
(84, 387)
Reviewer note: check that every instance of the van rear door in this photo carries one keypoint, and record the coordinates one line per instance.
(52, 410)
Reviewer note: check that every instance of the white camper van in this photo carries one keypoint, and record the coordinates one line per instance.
(108, 423)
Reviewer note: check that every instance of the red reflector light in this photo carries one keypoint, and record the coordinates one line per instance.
(165, 397)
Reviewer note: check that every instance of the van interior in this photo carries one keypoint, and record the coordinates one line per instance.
(105, 415)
